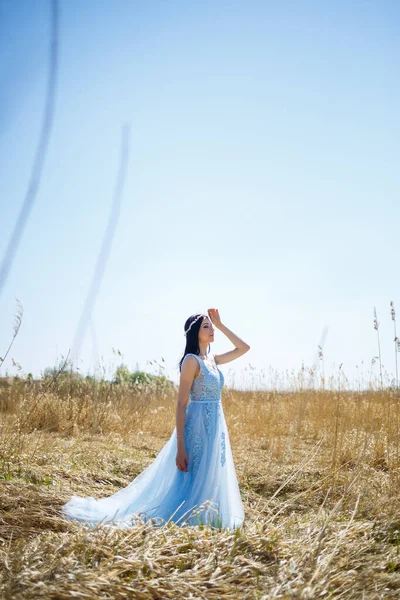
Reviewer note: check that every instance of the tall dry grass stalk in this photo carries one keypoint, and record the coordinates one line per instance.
(396, 341)
(376, 327)
(321, 358)
(16, 327)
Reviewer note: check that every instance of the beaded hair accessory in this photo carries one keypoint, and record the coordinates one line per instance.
(193, 322)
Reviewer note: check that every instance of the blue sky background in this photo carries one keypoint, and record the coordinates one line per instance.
(263, 180)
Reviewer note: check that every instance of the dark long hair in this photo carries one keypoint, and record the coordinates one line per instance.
(192, 338)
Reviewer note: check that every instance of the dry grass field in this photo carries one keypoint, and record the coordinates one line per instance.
(319, 473)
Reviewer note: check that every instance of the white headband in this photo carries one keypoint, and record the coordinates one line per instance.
(193, 322)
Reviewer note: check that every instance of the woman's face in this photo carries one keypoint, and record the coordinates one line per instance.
(206, 331)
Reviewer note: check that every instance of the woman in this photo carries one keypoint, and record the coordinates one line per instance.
(193, 479)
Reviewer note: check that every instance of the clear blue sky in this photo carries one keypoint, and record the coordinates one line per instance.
(263, 179)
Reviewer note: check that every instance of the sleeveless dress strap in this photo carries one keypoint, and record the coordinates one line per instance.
(198, 358)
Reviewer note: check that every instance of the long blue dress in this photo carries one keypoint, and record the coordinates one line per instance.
(208, 493)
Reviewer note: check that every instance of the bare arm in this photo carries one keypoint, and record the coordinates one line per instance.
(240, 346)
(189, 369)
(235, 339)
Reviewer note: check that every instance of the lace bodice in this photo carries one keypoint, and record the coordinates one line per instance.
(208, 384)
